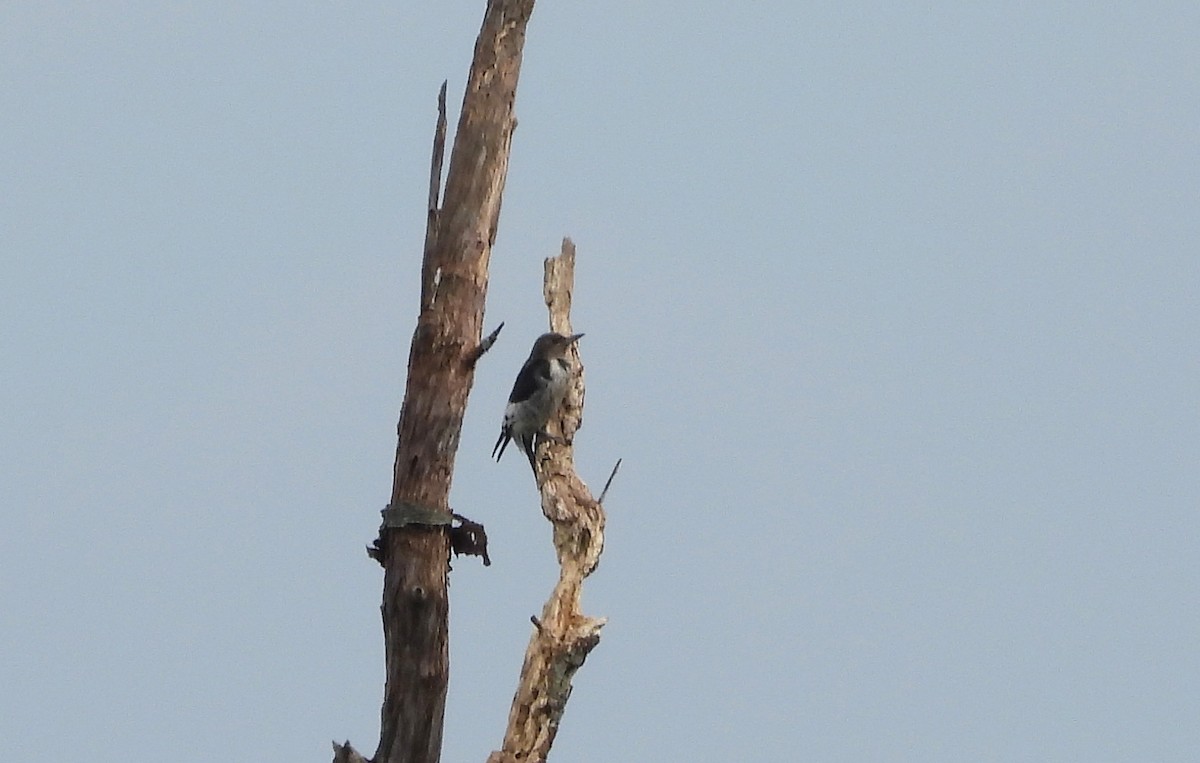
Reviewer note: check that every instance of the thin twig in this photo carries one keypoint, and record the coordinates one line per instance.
(484, 346)
(608, 483)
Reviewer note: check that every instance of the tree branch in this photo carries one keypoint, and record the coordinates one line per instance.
(608, 483)
(563, 636)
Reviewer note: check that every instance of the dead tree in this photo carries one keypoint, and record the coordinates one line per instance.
(419, 530)
(415, 540)
(563, 636)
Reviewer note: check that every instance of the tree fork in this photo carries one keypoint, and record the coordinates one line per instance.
(414, 543)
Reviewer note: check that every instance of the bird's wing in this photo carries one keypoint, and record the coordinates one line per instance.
(532, 377)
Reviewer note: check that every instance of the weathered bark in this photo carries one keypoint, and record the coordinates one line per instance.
(414, 543)
(563, 636)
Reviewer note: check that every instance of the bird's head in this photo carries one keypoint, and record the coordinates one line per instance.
(553, 345)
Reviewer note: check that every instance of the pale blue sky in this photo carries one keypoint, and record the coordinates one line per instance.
(891, 312)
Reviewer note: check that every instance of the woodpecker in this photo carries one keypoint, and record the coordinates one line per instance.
(536, 394)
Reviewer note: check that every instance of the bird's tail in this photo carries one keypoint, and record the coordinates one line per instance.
(501, 444)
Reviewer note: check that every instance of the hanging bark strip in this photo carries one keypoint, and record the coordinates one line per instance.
(563, 636)
(414, 543)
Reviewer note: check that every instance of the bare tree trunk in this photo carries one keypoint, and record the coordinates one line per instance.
(415, 540)
(563, 636)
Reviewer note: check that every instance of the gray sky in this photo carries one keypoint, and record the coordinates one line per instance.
(892, 314)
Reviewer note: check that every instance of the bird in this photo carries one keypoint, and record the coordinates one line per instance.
(536, 395)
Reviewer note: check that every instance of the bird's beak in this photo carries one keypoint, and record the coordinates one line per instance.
(574, 338)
